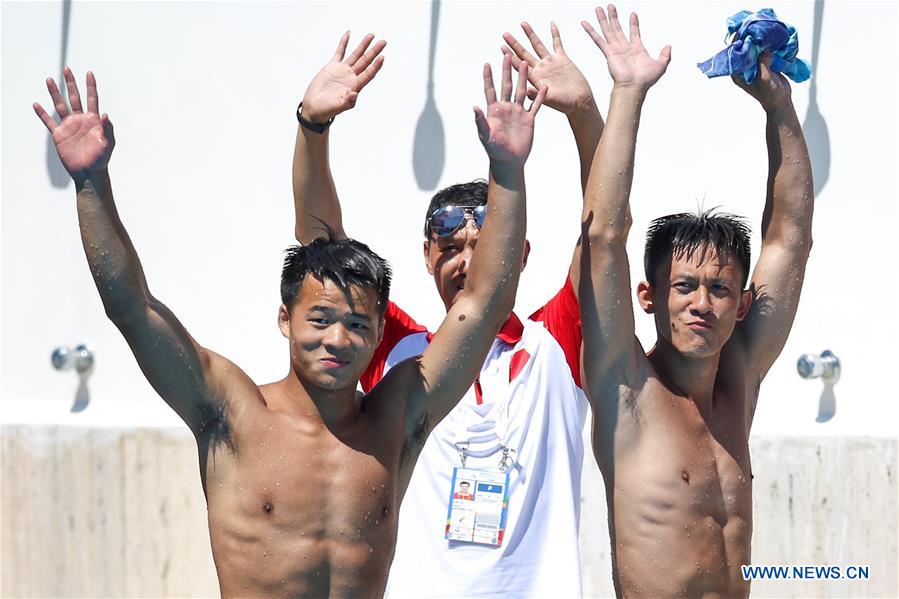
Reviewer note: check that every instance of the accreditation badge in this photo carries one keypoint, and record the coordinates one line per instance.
(478, 506)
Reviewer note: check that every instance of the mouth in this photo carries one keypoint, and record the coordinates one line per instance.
(332, 363)
(699, 325)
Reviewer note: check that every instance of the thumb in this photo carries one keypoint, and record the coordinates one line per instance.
(665, 56)
(481, 122)
(107, 128)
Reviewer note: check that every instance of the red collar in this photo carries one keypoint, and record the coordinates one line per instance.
(511, 331)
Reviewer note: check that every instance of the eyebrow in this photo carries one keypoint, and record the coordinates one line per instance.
(331, 309)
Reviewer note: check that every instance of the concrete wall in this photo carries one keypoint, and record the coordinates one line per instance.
(107, 512)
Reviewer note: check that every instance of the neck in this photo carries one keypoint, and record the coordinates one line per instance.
(691, 377)
(333, 408)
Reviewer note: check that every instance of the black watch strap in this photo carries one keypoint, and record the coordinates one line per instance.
(317, 127)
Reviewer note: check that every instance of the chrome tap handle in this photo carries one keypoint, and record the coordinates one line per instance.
(826, 366)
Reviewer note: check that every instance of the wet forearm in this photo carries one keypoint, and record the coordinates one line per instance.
(112, 259)
(790, 192)
(608, 188)
(496, 265)
(586, 125)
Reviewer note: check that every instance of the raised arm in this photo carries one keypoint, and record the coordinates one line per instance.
(455, 356)
(569, 93)
(786, 223)
(186, 376)
(334, 89)
(606, 310)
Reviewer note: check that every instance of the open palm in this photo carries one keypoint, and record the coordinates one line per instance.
(335, 88)
(506, 129)
(84, 140)
(567, 88)
(629, 62)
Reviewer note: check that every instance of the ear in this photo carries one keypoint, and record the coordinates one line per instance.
(284, 321)
(644, 296)
(426, 251)
(527, 251)
(745, 304)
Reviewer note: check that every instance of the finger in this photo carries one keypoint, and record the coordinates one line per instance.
(522, 88)
(93, 100)
(604, 24)
(539, 48)
(506, 90)
(369, 56)
(532, 92)
(72, 88)
(520, 51)
(507, 52)
(481, 122)
(368, 74)
(635, 28)
(61, 108)
(765, 66)
(341, 47)
(46, 118)
(538, 101)
(595, 36)
(360, 49)
(614, 24)
(557, 39)
(489, 88)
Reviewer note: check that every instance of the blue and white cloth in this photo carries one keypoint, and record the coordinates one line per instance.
(754, 33)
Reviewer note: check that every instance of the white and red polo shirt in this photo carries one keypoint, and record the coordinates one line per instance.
(535, 364)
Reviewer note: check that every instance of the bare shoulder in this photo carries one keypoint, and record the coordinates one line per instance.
(233, 398)
(389, 397)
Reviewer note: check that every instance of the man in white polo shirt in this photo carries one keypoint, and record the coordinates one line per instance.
(517, 434)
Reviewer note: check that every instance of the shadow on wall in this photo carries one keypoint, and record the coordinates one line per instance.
(814, 127)
(428, 151)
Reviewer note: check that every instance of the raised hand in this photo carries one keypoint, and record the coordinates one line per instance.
(629, 62)
(336, 87)
(770, 88)
(567, 88)
(84, 140)
(507, 129)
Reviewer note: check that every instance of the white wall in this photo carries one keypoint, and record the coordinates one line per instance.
(203, 96)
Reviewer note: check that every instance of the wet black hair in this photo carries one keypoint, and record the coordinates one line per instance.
(346, 262)
(683, 235)
(473, 193)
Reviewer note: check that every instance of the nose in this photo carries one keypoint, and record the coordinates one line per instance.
(464, 258)
(337, 338)
(701, 302)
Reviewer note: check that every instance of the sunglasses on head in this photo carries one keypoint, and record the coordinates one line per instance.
(446, 220)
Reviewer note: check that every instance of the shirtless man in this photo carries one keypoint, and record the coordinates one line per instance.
(262, 448)
(671, 427)
(525, 412)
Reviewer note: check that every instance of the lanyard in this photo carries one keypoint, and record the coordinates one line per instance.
(478, 424)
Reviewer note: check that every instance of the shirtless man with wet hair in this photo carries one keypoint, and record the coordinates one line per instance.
(303, 477)
(671, 427)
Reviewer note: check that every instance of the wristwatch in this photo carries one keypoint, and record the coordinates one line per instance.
(317, 127)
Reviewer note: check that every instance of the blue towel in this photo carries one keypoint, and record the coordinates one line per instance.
(753, 34)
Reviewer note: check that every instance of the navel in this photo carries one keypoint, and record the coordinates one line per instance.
(685, 475)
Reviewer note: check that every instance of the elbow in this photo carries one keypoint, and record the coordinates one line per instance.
(600, 231)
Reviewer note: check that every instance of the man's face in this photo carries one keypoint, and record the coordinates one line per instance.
(332, 336)
(696, 304)
(448, 259)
